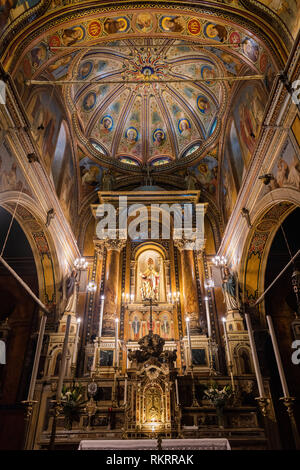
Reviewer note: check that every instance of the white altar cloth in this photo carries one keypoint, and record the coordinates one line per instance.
(151, 444)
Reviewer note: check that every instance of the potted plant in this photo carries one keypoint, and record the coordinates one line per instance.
(71, 402)
(219, 397)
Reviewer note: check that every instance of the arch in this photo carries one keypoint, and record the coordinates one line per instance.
(43, 242)
(270, 213)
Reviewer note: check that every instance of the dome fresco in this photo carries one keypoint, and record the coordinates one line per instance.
(161, 109)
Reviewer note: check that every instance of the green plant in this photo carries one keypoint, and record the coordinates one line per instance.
(218, 397)
(71, 401)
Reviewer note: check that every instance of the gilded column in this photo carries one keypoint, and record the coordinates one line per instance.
(189, 293)
(111, 284)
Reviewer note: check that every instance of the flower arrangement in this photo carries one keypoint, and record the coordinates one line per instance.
(218, 397)
(71, 401)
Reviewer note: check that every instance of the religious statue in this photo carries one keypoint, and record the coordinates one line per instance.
(230, 290)
(150, 282)
(71, 292)
(107, 181)
(190, 180)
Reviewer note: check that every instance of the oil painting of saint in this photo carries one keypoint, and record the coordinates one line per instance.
(116, 25)
(250, 49)
(144, 22)
(150, 282)
(172, 24)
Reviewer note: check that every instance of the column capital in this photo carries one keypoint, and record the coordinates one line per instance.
(114, 244)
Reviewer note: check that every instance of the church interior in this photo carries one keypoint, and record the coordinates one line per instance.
(166, 115)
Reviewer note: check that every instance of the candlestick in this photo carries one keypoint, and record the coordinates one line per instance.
(255, 358)
(207, 316)
(76, 342)
(125, 391)
(189, 339)
(277, 356)
(63, 360)
(117, 343)
(101, 316)
(37, 358)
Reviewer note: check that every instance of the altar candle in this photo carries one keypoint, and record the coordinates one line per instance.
(76, 342)
(117, 343)
(189, 337)
(63, 359)
(254, 356)
(278, 357)
(37, 358)
(125, 391)
(101, 316)
(207, 316)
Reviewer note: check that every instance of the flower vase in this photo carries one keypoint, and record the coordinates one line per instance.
(220, 416)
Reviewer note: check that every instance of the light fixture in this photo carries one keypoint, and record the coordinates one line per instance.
(219, 261)
(78, 320)
(224, 320)
(187, 319)
(91, 287)
(209, 283)
(80, 264)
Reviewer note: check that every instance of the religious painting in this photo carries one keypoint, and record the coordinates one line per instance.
(38, 55)
(90, 174)
(199, 357)
(89, 101)
(150, 276)
(11, 9)
(229, 191)
(106, 124)
(130, 143)
(71, 36)
(45, 115)
(250, 49)
(203, 104)
(60, 67)
(135, 323)
(11, 177)
(206, 173)
(286, 170)
(208, 74)
(66, 189)
(248, 112)
(85, 69)
(119, 24)
(173, 24)
(153, 404)
(166, 325)
(144, 22)
(231, 62)
(106, 360)
(236, 154)
(288, 11)
(215, 31)
(184, 127)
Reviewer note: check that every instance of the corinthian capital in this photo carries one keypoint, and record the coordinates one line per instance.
(114, 244)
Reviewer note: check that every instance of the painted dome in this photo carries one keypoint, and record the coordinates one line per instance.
(148, 104)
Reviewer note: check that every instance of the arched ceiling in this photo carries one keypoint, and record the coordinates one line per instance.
(140, 86)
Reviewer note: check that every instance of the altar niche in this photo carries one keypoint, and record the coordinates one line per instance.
(150, 276)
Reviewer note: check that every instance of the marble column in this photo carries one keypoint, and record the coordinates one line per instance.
(111, 285)
(189, 293)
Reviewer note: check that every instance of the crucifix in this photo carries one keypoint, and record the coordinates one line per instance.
(151, 303)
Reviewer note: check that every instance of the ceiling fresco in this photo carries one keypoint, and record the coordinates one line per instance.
(141, 87)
